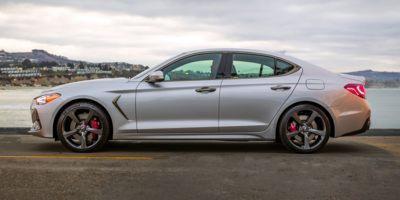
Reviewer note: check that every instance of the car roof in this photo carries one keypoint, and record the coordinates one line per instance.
(251, 51)
(231, 50)
(303, 64)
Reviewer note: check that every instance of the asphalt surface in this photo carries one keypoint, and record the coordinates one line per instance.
(347, 168)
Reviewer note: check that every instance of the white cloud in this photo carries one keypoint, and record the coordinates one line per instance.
(99, 36)
(335, 35)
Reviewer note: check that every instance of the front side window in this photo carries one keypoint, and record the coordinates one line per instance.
(198, 67)
(252, 66)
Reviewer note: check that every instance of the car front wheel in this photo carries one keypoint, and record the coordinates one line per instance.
(83, 127)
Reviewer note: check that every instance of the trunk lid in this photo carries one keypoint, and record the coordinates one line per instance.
(359, 79)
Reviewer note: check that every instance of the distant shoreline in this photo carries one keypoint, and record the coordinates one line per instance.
(22, 87)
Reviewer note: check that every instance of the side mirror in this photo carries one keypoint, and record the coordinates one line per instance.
(156, 76)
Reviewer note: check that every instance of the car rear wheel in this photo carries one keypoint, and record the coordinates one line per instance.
(304, 129)
(83, 127)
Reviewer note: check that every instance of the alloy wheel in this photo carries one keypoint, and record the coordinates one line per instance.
(306, 129)
(82, 128)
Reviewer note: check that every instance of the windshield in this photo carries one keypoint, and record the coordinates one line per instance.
(141, 74)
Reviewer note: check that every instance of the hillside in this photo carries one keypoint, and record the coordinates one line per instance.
(382, 76)
(379, 79)
(36, 55)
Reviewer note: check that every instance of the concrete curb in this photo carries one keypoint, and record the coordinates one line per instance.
(14, 130)
(372, 132)
(382, 132)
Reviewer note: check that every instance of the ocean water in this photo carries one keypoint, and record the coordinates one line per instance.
(15, 102)
(385, 107)
(14, 106)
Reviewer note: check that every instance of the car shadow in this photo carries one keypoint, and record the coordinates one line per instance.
(335, 147)
(233, 147)
(194, 146)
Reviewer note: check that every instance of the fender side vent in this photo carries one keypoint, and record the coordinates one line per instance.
(115, 102)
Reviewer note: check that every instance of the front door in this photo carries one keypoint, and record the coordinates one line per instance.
(187, 101)
(256, 89)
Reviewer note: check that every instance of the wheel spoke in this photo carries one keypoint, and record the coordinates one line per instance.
(69, 133)
(82, 140)
(296, 118)
(312, 117)
(89, 117)
(73, 117)
(306, 142)
(95, 130)
(291, 134)
(318, 132)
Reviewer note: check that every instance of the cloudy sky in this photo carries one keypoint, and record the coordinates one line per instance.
(338, 35)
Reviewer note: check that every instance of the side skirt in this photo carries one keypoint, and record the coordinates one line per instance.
(189, 137)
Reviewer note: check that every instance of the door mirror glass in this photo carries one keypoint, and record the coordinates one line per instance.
(156, 76)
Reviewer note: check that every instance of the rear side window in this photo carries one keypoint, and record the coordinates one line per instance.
(283, 67)
(252, 66)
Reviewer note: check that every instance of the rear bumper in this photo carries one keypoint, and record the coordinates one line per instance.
(362, 130)
(352, 116)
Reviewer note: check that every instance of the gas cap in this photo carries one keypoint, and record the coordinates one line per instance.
(315, 84)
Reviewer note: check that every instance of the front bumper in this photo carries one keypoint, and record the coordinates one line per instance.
(43, 118)
(36, 125)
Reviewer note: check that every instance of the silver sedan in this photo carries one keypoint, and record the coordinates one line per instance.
(215, 94)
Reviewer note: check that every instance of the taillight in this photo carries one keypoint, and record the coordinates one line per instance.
(357, 89)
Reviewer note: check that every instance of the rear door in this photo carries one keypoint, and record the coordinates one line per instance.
(257, 87)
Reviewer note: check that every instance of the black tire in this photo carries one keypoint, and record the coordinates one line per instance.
(292, 142)
(92, 111)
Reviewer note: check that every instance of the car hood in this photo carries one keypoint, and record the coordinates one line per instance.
(90, 85)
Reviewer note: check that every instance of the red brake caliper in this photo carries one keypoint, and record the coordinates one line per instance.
(292, 127)
(94, 123)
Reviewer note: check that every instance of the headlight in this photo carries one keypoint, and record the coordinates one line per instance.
(47, 98)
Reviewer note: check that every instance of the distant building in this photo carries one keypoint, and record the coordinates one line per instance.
(93, 70)
(60, 69)
(17, 72)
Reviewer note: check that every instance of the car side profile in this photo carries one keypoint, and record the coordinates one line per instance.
(214, 94)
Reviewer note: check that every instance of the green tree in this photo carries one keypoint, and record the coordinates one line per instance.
(70, 65)
(26, 63)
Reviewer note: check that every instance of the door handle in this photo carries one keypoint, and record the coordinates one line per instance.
(205, 89)
(280, 87)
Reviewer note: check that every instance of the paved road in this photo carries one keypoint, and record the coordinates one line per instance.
(348, 168)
